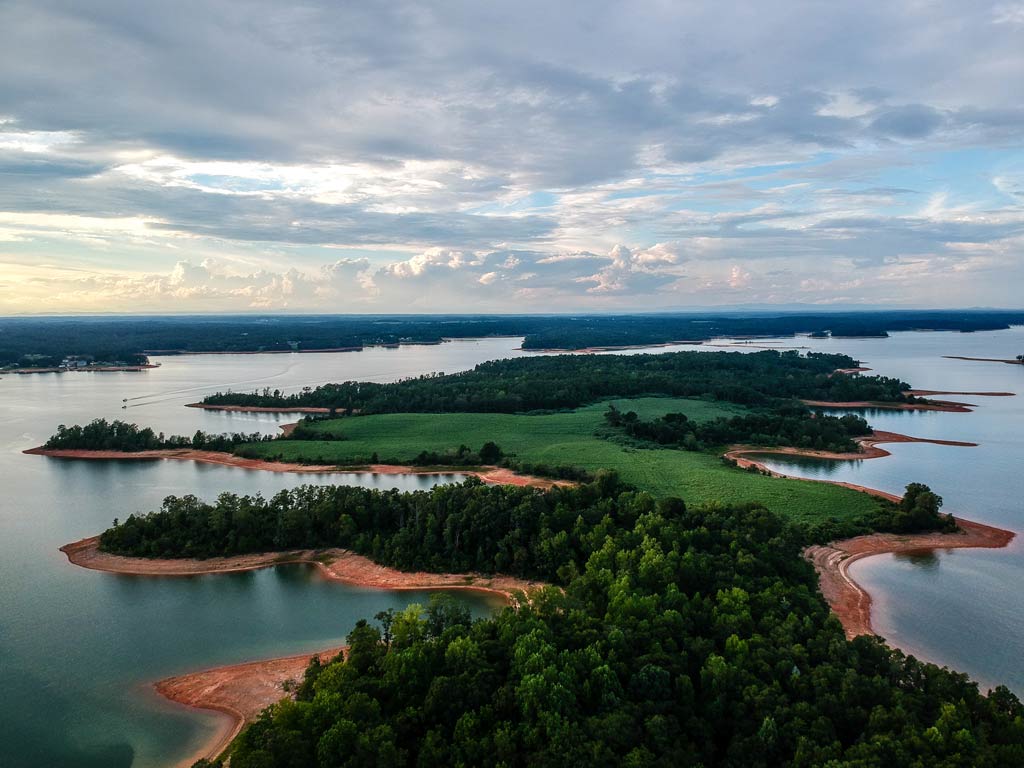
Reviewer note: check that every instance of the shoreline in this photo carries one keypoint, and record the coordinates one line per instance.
(985, 359)
(849, 601)
(239, 692)
(610, 348)
(929, 392)
(334, 563)
(85, 369)
(257, 408)
(491, 475)
(947, 406)
(869, 450)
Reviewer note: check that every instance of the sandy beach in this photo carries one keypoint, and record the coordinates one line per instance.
(488, 474)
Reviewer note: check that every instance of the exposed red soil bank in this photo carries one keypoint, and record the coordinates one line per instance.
(848, 600)
(239, 691)
(336, 564)
(488, 474)
(934, 405)
(985, 359)
(869, 450)
(928, 392)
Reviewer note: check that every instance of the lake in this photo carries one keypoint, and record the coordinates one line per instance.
(79, 648)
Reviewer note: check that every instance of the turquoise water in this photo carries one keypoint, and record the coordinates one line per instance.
(79, 648)
(962, 608)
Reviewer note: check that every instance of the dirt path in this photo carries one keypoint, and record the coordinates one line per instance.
(239, 691)
(849, 601)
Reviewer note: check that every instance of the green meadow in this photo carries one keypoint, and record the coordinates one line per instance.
(574, 438)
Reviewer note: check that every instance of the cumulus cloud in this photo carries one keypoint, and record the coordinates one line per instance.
(496, 156)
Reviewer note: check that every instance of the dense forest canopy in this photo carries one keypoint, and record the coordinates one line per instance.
(45, 341)
(683, 637)
(568, 381)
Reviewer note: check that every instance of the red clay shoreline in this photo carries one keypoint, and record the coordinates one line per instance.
(242, 691)
(489, 474)
(850, 602)
(985, 359)
(934, 405)
(239, 692)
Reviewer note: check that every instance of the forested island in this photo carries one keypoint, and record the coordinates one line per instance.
(44, 342)
(682, 636)
(569, 381)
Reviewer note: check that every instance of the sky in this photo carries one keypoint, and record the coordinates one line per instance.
(214, 155)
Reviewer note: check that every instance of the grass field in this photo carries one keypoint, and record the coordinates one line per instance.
(570, 439)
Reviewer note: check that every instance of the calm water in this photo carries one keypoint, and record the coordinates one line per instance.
(77, 647)
(964, 608)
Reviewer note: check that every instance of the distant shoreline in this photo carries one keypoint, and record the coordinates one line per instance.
(84, 369)
(935, 405)
(985, 359)
(257, 408)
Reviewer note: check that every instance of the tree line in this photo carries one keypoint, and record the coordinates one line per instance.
(39, 341)
(569, 381)
(793, 424)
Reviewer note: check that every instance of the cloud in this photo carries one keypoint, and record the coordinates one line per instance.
(526, 155)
